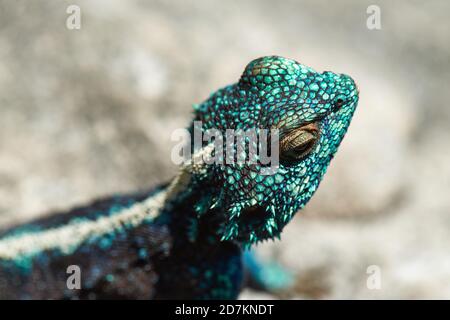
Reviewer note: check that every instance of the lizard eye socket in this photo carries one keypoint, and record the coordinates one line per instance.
(298, 143)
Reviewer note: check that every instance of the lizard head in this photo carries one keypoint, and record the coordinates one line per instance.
(308, 112)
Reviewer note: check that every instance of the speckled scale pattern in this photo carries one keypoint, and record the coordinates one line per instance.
(277, 93)
(192, 249)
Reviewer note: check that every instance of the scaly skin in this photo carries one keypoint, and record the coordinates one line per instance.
(149, 245)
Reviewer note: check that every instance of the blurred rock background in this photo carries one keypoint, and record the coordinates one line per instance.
(89, 112)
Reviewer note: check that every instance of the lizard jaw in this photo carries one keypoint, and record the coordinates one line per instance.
(253, 224)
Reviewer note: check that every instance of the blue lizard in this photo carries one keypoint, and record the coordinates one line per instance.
(185, 239)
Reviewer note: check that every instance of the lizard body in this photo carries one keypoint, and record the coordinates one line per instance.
(184, 240)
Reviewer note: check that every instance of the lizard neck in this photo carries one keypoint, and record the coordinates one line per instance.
(190, 217)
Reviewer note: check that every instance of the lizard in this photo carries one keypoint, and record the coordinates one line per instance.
(184, 239)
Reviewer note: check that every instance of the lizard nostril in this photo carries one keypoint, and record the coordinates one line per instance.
(338, 104)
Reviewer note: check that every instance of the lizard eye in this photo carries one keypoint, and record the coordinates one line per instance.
(298, 143)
